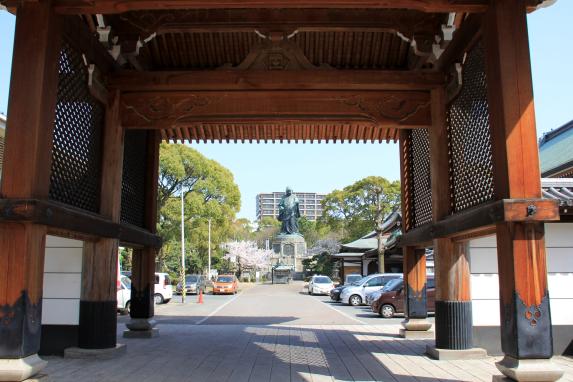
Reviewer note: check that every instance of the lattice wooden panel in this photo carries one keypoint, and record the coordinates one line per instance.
(133, 183)
(421, 189)
(76, 154)
(469, 135)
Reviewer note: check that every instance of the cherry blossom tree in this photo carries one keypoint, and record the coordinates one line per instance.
(247, 255)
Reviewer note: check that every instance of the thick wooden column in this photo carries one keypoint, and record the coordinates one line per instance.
(452, 273)
(415, 283)
(26, 174)
(414, 259)
(143, 270)
(524, 299)
(98, 302)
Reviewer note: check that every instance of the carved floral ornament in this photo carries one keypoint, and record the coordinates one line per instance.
(158, 108)
(390, 107)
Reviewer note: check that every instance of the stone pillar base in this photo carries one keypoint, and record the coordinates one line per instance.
(20, 369)
(416, 328)
(141, 333)
(450, 354)
(141, 328)
(538, 370)
(107, 353)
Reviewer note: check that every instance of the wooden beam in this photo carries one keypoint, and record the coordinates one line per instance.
(119, 6)
(232, 80)
(78, 35)
(483, 217)
(161, 110)
(60, 216)
(463, 38)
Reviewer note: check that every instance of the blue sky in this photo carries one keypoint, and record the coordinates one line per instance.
(324, 167)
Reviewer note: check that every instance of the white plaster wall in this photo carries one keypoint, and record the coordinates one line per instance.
(62, 281)
(485, 283)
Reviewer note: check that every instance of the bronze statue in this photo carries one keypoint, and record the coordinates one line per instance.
(289, 213)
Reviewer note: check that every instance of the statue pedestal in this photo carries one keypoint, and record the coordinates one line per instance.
(289, 250)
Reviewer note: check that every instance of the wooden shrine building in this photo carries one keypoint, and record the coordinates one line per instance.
(97, 84)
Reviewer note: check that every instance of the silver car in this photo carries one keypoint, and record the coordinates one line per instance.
(193, 284)
(356, 294)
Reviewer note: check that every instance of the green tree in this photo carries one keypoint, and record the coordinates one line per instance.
(209, 192)
(356, 209)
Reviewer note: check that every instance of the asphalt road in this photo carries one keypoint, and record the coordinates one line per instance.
(266, 304)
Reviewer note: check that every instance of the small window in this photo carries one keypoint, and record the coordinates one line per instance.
(156, 279)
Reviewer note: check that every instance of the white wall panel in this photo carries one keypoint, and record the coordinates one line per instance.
(559, 235)
(62, 285)
(61, 242)
(561, 285)
(561, 311)
(62, 281)
(63, 260)
(60, 311)
(483, 260)
(485, 312)
(559, 259)
(484, 286)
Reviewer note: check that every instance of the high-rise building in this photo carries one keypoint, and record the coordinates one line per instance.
(309, 203)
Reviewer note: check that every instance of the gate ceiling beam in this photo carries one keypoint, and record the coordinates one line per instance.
(118, 6)
(231, 80)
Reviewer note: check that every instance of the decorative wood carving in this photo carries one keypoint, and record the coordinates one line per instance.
(276, 55)
(382, 108)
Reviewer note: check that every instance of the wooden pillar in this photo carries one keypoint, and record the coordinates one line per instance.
(98, 301)
(414, 259)
(143, 269)
(524, 299)
(415, 283)
(26, 174)
(452, 273)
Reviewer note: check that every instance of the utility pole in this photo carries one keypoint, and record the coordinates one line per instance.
(209, 252)
(183, 283)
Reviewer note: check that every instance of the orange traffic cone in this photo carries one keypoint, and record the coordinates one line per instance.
(200, 297)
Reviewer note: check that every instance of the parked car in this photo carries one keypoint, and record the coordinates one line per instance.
(193, 284)
(391, 300)
(356, 294)
(163, 290)
(351, 278)
(225, 284)
(335, 293)
(320, 285)
(123, 294)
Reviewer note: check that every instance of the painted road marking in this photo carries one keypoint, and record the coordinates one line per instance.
(340, 311)
(218, 309)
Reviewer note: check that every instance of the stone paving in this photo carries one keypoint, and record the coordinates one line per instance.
(211, 345)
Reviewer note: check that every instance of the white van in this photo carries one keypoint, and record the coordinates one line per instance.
(163, 289)
(123, 294)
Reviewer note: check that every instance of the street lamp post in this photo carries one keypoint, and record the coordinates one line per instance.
(209, 253)
(183, 283)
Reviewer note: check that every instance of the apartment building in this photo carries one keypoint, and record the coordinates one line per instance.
(309, 202)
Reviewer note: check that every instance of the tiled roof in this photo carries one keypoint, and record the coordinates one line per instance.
(555, 153)
(558, 188)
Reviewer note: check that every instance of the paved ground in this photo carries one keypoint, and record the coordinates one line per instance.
(273, 333)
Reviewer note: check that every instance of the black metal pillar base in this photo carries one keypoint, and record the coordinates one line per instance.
(454, 325)
(98, 325)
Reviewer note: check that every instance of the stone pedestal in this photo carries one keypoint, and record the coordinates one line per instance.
(108, 353)
(141, 328)
(19, 369)
(289, 250)
(416, 328)
(451, 354)
(539, 370)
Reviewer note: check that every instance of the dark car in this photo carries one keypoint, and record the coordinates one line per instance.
(193, 283)
(350, 279)
(391, 301)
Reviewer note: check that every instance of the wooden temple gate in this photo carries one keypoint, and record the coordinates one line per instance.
(449, 79)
